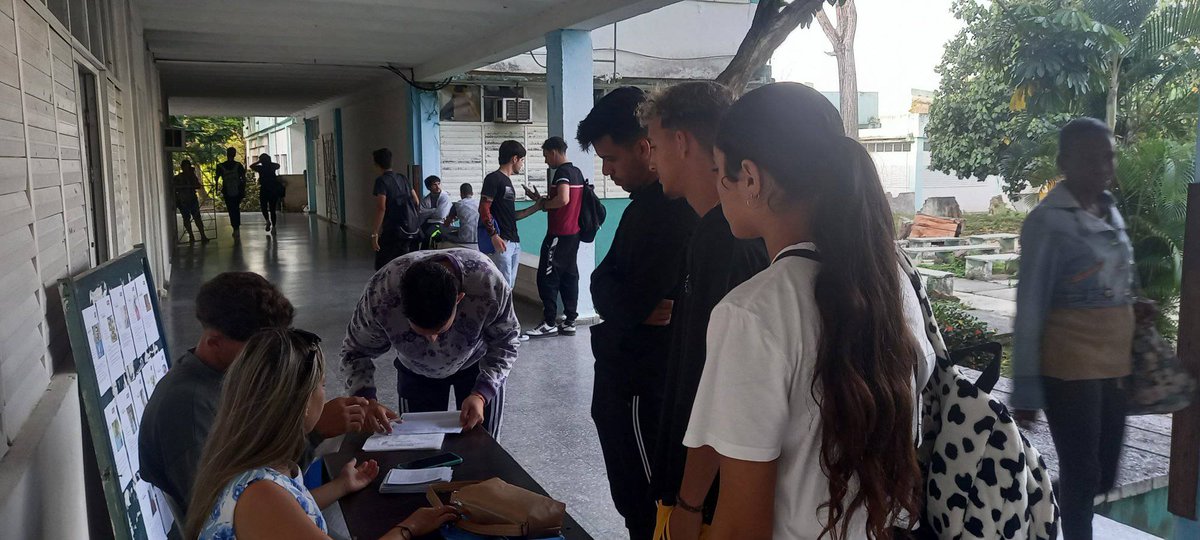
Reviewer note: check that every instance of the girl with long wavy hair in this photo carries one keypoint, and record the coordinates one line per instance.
(248, 485)
(810, 391)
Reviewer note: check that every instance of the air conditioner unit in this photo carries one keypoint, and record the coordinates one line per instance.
(513, 111)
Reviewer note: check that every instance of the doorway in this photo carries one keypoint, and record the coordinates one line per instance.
(89, 97)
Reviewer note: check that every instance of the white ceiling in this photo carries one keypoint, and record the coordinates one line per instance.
(275, 57)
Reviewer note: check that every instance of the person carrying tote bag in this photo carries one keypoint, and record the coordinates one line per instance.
(1075, 322)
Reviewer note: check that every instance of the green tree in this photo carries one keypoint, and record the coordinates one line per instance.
(207, 138)
(1152, 179)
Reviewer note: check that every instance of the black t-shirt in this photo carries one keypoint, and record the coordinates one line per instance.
(400, 213)
(498, 187)
(717, 262)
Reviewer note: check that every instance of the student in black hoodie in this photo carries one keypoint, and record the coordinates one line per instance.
(634, 290)
(682, 123)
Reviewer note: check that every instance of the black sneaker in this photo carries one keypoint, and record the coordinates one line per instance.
(566, 328)
(542, 330)
(268, 227)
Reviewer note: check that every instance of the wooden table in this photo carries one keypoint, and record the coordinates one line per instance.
(369, 514)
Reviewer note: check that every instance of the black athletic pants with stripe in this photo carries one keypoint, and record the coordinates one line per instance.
(627, 423)
(423, 394)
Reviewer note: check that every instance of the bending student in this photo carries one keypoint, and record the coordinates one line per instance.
(249, 483)
(448, 318)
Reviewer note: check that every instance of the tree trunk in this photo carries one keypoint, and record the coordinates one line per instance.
(841, 38)
(1114, 81)
(773, 21)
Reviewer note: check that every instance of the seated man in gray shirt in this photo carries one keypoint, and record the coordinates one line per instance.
(448, 316)
(230, 307)
(466, 212)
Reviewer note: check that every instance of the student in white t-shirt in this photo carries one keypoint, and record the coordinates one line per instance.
(810, 391)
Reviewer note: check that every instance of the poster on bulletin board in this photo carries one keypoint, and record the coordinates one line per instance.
(120, 351)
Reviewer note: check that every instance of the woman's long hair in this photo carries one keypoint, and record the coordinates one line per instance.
(866, 357)
(260, 421)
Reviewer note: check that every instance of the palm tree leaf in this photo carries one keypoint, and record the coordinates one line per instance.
(1124, 15)
(1166, 28)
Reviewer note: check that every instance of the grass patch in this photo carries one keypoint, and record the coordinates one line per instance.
(985, 223)
(955, 265)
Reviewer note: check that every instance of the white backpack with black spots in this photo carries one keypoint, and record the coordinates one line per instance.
(982, 477)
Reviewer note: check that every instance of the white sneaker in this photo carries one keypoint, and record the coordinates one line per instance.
(543, 330)
(566, 328)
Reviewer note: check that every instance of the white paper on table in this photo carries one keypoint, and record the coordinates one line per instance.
(408, 477)
(428, 422)
(91, 324)
(116, 437)
(383, 442)
(149, 321)
(112, 339)
(128, 349)
(136, 326)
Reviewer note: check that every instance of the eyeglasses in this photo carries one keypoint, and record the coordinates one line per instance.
(313, 341)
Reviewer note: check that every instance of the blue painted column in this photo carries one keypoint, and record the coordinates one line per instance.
(424, 125)
(569, 91)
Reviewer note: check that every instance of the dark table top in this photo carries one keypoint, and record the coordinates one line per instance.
(370, 514)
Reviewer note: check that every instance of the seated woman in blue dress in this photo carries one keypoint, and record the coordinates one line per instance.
(249, 483)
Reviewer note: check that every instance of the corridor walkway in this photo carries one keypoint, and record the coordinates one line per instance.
(322, 270)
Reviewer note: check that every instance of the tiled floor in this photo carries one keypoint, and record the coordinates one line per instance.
(322, 269)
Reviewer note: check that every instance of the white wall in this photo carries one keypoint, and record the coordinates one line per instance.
(371, 119)
(47, 233)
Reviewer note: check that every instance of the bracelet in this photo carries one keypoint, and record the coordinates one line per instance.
(405, 532)
(683, 505)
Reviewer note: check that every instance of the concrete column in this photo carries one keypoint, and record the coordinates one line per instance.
(569, 91)
(424, 124)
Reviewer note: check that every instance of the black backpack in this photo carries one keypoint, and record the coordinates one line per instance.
(591, 213)
(408, 225)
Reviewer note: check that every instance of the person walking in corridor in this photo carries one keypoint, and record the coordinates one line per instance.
(682, 124)
(231, 177)
(498, 210)
(634, 290)
(558, 269)
(447, 318)
(185, 185)
(1075, 321)
(270, 189)
(396, 228)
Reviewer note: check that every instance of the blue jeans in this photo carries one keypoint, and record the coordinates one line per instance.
(508, 262)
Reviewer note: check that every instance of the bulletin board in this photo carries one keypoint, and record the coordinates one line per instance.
(115, 326)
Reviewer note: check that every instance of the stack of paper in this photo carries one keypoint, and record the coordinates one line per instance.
(428, 422)
(414, 480)
(388, 442)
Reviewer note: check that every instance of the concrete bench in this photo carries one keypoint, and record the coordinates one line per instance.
(983, 267)
(937, 283)
(938, 241)
(943, 253)
(1007, 241)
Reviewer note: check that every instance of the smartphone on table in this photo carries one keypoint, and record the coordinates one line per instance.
(449, 459)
